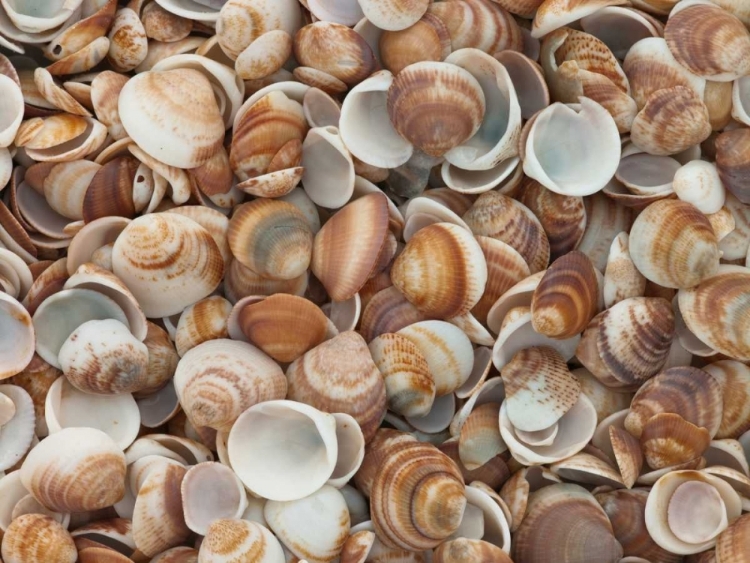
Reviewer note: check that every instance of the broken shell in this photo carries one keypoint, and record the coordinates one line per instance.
(34, 538)
(205, 320)
(211, 491)
(240, 539)
(189, 259)
(219, 379)
(291, 474)
(339, 375)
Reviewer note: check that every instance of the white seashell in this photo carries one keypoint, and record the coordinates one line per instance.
(11, 112)
(31, 18)
(211, 491)
(698, 182)
(228, 541)
(17, 433)
(15, 353)
(329, 170)
(199, 10)
(351, 449)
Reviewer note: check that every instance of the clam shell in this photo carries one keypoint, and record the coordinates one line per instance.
(320, 109)
(332, 187)
(480, 439)
(480, 24)
(189, 259)
(588, 469)
(448, 87)
(35, 538)
(18, 430)
(219, 379)
(720, 298)
(162, 358)
(88, 472)
(731, 545)
(105, 93)
(731, 162)
(242, 282)
(463, 549)
(229, 539)
(162, 25)
(622, 279)
(339, 375)
(668, 439)
(66, 185)
(387, 311)
(288, 475)
(734, 378)
(203, 321)
(605, 219)
(128, 42)
(211, 491)
(265, 55)
(427, 40)
(240, 22)
(271, 238)
(91, 237)
(330, 10)
(12, 111)
(347, 248)
(319, 79)
(14, 319)
(336, 50)
(463, 279)
(392, 15)
(698, 183)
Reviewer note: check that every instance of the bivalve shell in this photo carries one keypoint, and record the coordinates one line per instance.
(37, 538)
(732, 162)
(336, 50)
(211, 491)
(734, 378)
(15, 353)
(234, 539)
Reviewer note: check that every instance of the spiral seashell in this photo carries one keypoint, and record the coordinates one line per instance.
(339, 375)
(219, 379)
(284, 326)
(566, 298)
(88, 471)
(234, 539)
(128, 44)
(693, 33)
(687, 510)
(716, 311)
(731, 161)
(570, 520)
(445, 86)
(409, 387)
(734, 378)
(689, 392)
(480, 24)
(37, 538)
(343, 261)
(240, 22)
(411, 480)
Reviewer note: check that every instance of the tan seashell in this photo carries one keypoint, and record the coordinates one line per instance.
(161, 25)
(587, 469)
(734, 378)
(568, 518)
(162, 358)
(723, 223)
(480, 440)
(718, 100)
(334, 187)
(175, 144)
(105, 93)
(445, 86)
(480, 24)
(34, 538)
(189, 276)
(515, 492)
(605, 219)
(622, 279)
(55, 95)
(243, 282)
(698, 183)
(319, 79)
(203, 321)
(336, 50)
(566, 298)
(128, 42)
(218, 379)
(720, 298)
(731, 545)
(240, 539)
(320, 109)
(81, 61)
(689, 392)
(211, 480)
(265, 55)
(393, 16)
(388, 311)
(158, 51)
(426, 40)
(668, 440)
(84, 456)
(176, 555)
(110, 192)
(289, 248)
(12, 112)
(213, 221)
(463, 549)
(66, 185)
(240, 23)
(731, 162)
(693, 33)
(14, 319)
(357, 390)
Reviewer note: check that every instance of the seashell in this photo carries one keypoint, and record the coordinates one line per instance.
(388, 311)
(320, 109)
(622, 279)
(480, 439)
(314, 78)
(672, 120)
(158, 521)
(355, 387)
(242, 282)
(392, 15)
(12, 111)
(220, 486)
(692, 35)
(463, 549)
(668, 439)
(26, 18)
(327, 10)
(428, 245)
(240, 539)
(343, 262)
(213, 221)
(198, 253)
(105, 92)
(351, 450)
(528, 81)
(741, 100)
(128, 43)
(676, 498)
(570, 519)
(718, 101)
(515, 492)
(18, 434)
(605, 219)
(734, 378)
(81, 61)
(731, 162)
(426, 40)
(14, 319)
(85, 456)
(423, 211)
(722, 223)
(66, 185)
(621, 27)
(249, 377)
(34, 538)
(181, 148)
(480, 24)
(594, 127)
(265, 55)
(560, 312)
(240, 23)
(336, 50)
(179, 554)
(724, 291)
(162, 25)
(203, 321)
(443, 85)
(698, 183)
(110, 191)
(735, 244)
(731, 544)
(325, 145)
(588, 469)
(344, 314)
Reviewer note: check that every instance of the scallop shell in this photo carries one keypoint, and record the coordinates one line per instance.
(37, 538)
(219, 379)
(340, 376)
(463, 279)
(88, 472)
(189, 261)
(232, 539)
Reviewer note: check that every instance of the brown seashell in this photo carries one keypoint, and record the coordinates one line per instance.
(162, 359)
(628, 455)
(480, 24)
(567, 297)
(505, 268)
(709, 41)
(272, 238)
(388, 311)
(161, 25)
(666, 237)
(37, 538)
(346, 249)
(214, 176)
(334, 49)
(240, 23)
(241, 540)
(462, 549)
(340, 376)
(66, 184)
(110, 192)
(500, 217)
(426, 40)
(203, 321)
(689, 392)
(319, 79)
(175, 555)
(672, 120)
(718, 100)
(565, 520)
(264, 56)
(734, 378)
(732, 148)
(629, 342)
(480, 441)
(605, 219)
(732, 544)
(242, 282)
(128, 42)
(668, 440)
(375, 453)
(716, 311)
(357, 547)
(455, 96)
(461, 280)
(418, 479)
(621, 278)
(493, 473)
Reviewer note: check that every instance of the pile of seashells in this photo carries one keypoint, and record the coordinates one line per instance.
(388, 281)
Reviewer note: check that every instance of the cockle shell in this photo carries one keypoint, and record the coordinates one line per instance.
(233, 539)
(14, 319)
(189, 261)
(241, 22)
(731, 162)
(205, 320)
(553, 14)
(734, 378)
(480, 439)
(219, 379)
(427, 40)
(390, 15)
(387, 311)
(668, 440)
(731, 545)
(37, 538)
(324, 148)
